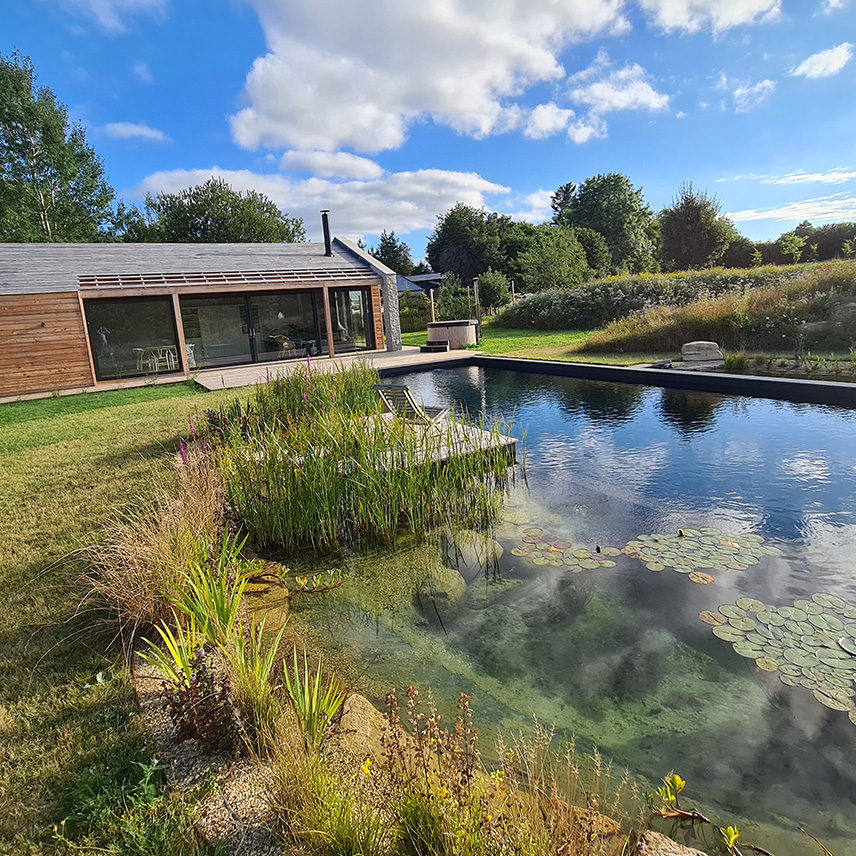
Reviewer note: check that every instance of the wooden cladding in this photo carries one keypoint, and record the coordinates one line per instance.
(377, 316)
(44, 344)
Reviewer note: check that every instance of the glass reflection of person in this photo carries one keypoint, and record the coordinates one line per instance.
(102, 340)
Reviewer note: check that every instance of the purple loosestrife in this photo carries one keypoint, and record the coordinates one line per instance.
(182, 451)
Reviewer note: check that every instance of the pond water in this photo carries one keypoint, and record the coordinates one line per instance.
(615, 652)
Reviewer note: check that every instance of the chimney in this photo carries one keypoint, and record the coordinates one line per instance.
(325, 222)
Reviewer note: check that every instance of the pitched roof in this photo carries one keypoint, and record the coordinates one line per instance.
(35, 268)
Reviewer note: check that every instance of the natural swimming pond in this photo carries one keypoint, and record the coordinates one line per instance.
(749, 704)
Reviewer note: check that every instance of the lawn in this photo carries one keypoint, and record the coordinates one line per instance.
(70, 746)
(544, 345)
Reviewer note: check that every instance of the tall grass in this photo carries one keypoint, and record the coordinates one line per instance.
(334, 470)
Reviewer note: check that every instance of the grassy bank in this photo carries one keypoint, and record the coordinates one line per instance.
(546, 345)
(71, 747)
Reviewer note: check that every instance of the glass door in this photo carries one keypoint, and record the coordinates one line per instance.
(217, 331)
(286, 326)
(350, 316)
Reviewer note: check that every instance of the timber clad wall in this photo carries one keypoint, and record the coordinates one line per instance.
(377, 315)
(42, 359)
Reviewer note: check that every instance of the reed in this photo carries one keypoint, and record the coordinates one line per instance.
(347, 474)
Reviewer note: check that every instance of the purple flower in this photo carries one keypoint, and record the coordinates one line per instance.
(192, 431)
(182, 451)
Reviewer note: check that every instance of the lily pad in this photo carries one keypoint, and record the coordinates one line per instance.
(683, 569)
(732, 611)
(827, 622)
(799, 657)
(607, 563)
(540, 560)
(714, 619)
(839, 659)
(701, 579)
(829, 701)
(655, 566)
(770, 551)
(746, 649)
(848, 643)
(728, 633)
(766, 664)
(745, 624)
(611, 551)
(789, 680)
(534, 531)
(808, 606)
(790, 669)
(518, 552)
(829, 601)
(750, 604)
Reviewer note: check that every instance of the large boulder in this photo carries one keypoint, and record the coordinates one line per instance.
(701, 352)
(472, 554)
(442, 585)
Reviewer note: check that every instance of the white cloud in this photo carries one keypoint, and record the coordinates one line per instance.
(719, 15)
(837, 175)
(135, 131)
(607, 89)
(331, 164)
(837, 206)
(546, 120)
(590, 128)
(538, 208)
(748, 97)
(825, 63)
(141, 70)
(401, 202)
(111, 15)
(830, 6)
(357, 75)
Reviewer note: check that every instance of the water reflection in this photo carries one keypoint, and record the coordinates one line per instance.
(690, 412)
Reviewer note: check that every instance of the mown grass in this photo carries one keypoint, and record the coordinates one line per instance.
(546, 345)
(68, 738)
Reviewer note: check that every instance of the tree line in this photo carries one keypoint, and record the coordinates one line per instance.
(53, 188)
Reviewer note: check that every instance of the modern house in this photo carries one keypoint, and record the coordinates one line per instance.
(76, 316)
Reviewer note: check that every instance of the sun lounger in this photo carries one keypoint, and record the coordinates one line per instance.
(397, 398)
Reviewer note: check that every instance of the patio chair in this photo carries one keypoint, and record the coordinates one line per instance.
(397, 398)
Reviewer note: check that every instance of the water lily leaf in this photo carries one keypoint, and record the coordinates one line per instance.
(709, 530)
(701, 579)
(735, 566)
(756, 638)
(808, 606)
(518, 552)
(790, 669)
(809, 683)
(829, 701)
(826, 622)
(714, 619)
(530, 539)
(655, 566)
(839, 659)
(588, 564)
(788, 612)
(683, 569)
(763, 630)
(701, 563)
(606, 563)
(852, 714)
(556, 562)
(799, 628)
(611, 551)
(799, 657)
(540, 560)
(731, 610)
(828, 601)
(562, 545)
(771, 551)
(841, 683)
(847, 611)
(766, 664)
(581, 554)
(549, 539)
(746, 649)
(750, 604)
(570, 560)
(751, 538)
(850, 630)
(789, 680)
(534, 531)
(745, 624)
(728, 633)
(747, 559)
(848, 643)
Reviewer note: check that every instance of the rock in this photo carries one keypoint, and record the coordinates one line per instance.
(654, 844)
(703, 352)
(444, 585)
(360, 728)
(471, 553)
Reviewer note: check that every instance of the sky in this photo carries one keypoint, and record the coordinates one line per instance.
(388, 112)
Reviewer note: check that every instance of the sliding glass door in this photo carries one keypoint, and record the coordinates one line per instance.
(216, 330)
(287, 324)
(350, 316)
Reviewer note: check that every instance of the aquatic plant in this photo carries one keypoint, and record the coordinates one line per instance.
(811, 644)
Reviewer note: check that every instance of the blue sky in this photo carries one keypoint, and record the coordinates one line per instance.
(388, 112)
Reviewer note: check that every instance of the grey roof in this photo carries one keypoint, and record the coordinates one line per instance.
(404, 284)
(34, 268)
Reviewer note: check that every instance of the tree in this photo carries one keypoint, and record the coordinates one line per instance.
(494, 290)
(740, 253)
(557, 260)
(214, 213)
(609, 204)
(467, 241)
(52, 185)
(792, 245)
(453, 300)
(594, 245)
(420, 268)
(693, 234)
(393, 253)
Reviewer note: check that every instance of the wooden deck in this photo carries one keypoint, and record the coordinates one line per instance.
(231, 377)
